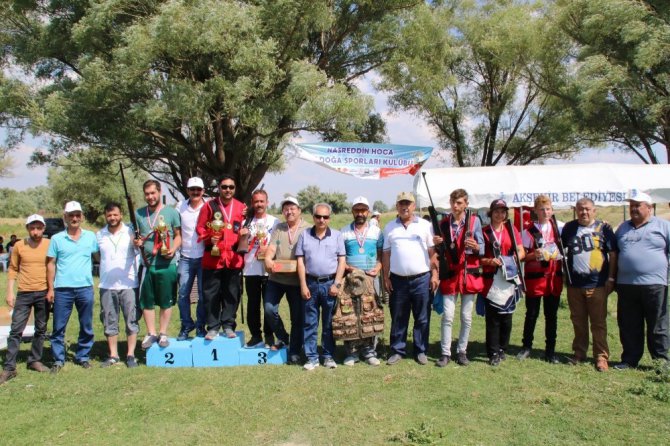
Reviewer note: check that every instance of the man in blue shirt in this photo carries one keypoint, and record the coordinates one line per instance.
(70, 283)
(643, 244)
(321, 262)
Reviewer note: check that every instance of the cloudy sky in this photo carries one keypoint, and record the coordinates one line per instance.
(402, 128)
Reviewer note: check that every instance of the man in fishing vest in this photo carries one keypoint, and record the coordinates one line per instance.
(543, 277)
(462, 236)
(363, 244)
(591, 258)
(220, 227)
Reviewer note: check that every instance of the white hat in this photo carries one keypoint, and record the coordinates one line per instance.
(360, 200)
(289, 199)
(72, 206)
(33, 218)
(195, 182)
(639, 196)
(376, 214)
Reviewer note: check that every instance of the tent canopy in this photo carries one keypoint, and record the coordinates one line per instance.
(606, 184)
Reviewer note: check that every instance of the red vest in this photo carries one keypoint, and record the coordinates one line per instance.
(229, 258)
(543, 278)
(456, 281)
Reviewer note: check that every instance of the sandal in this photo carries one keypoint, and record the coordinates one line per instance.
(230, 334)
(163, 340)
(148, 341)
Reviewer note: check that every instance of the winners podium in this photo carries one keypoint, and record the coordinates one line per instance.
(219, 352)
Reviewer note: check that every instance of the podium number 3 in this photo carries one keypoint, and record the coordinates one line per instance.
(169, 358)
(262, 358)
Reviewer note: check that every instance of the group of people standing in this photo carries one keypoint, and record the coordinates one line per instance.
(309, 264)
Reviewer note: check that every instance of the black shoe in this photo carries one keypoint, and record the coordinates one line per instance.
(56, 368)
(182, 336)
(84, 364)
(112, 360)
(255, 342)
(200, 332)
(494, 361)
(462, 359)
(131, 362)
(623, 366)
(502, 355)
(294, 360)
(523, 354)
(552, 359)
(443, 361)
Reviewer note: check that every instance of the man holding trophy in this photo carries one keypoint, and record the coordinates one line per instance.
(220, 227)
(255, 277)
(160, 228)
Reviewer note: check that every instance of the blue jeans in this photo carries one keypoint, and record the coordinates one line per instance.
(187, 270)
(320, 299)
(64, 300)
(273, 294)
(410, 295)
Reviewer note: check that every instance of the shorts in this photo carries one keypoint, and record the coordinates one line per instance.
(114, 302)
(159, 287)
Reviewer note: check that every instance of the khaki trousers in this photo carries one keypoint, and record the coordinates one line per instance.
(589, 304)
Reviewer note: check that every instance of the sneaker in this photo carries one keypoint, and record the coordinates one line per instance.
(131, 362)
(211, 334)
(494, 361)
(350, 360)
(373, 361)
(84, 364)
(311, 365)
(255, 342)
(200, 332)
(182, 336)
(443, 361)
(329, 363)
(37, 366)
(56, 368)
(393, 359)
(229, 333)
(623, 366)
(601, 365)
(112, 360)
(422, 359)
(523, 354)
(552, 359)
(462, 359)
(6, 375)
(163, 340)
(148, 341)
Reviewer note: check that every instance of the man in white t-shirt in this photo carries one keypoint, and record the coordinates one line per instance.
(190, 261)
(118, 283)
(410, 275)
(255, 276)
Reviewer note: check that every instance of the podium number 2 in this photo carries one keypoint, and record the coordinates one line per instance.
(215, 357)
(262, 357)
(169, 358)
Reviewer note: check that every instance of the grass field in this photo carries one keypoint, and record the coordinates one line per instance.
(528, 402)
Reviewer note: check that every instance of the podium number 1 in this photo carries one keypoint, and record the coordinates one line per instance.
(169, 358)
(215, 357)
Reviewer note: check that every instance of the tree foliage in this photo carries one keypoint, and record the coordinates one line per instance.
(202, 87)
(20, 204)
(311, 195)
(473, 71)
(380, 206)
(621, 86)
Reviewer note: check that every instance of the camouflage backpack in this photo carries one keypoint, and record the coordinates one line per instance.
(357, 314)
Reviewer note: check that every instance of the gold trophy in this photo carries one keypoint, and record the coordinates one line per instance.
(162, 229)
(215, 226)
(261, 235)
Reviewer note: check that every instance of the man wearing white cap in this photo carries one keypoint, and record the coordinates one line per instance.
(363, 244)
(28, 263)
(190, 261)
(375, 218)
(643, 245)
(70, 282)
(281, 263)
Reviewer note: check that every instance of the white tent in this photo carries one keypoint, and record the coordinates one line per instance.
(605, 184)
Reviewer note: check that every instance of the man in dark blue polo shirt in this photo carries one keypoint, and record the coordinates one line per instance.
(321, 262)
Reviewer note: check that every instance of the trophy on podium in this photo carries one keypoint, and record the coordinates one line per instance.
(163, 236)
(215, 226)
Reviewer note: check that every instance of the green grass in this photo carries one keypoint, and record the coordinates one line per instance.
(526, 402)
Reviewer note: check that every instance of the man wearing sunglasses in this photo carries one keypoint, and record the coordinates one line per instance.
(321, 263)
(643, 245)
(221, 267)
(190, 261)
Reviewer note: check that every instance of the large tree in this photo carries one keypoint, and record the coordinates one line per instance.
(200, 87)
(621, 86)
(473, 71)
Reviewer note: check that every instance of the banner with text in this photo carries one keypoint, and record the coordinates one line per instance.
(365, 160)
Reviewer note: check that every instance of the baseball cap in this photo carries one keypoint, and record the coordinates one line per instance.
(33, 218)
(195, 182)
(291, 200)
(405, 196)
(376, 214)
(497, 204)
(639, 196)
(72, 206)
(360, 200)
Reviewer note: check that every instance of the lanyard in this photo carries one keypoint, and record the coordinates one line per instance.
(360, 238)
(156, 213)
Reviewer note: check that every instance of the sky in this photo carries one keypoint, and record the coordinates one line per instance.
(402, 128)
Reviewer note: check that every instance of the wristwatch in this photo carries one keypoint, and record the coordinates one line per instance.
(338, 285)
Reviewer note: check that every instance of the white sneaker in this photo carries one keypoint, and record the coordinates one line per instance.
(350, 360)
(329, 363)
(309, 365)
(372, 360)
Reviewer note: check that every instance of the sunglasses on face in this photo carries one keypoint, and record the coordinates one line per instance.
(227, 186)
(321, 217)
